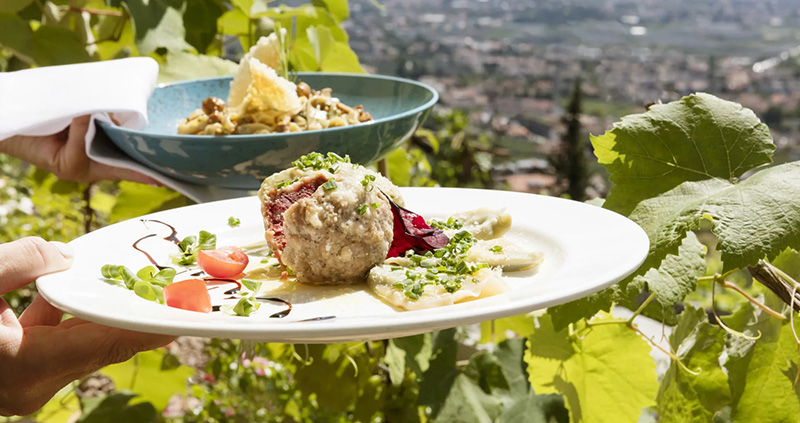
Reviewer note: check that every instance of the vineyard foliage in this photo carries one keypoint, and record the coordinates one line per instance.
(679, 171)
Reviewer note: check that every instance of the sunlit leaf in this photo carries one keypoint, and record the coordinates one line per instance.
(61, 408)
(13, 6)
(158, 23)
(605, 374)
(496, 331)
(681, 162)
(761, 373)
(137, 199)
(200, 21)
(115, 407)
(143, 375)
(338, 8)
(183, 65)
(16, 35)
(54, 45)
(234, 22)
(684, 397)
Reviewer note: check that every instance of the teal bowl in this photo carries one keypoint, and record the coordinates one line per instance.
(397, 105)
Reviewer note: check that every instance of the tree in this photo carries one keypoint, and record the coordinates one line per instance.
(570, 162)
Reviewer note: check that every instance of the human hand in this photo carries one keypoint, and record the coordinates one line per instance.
(64, 154)
(39, 353)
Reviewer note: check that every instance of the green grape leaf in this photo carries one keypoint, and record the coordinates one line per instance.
(143, 375)
(54, 45)
(399, 167)
(753, 219)
(200, 21)
(115, 407)
(234, 22)
(61, 408)
(510, 354)
(182, 65)
(13, 6)
(467, 402)
(605, 373)
(137, 199)
(677, 275)
(437, 381)
(337, 374)
(522, 325)
(548, 408)
(158, 23)
(684, 397)
(696, 138)
(582, 308)
(16, 35)
(502, 375)
(338, 8)
(680, 162)
(413, 352)
(115, 38)
(789, 262)
(761, 374)
(246, 6)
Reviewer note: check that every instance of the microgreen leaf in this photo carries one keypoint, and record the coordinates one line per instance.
(246, 306)
(251, 285)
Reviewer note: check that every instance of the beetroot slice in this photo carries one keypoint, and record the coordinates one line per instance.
(411, 232)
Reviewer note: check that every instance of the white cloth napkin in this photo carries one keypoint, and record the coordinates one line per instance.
(44, 101)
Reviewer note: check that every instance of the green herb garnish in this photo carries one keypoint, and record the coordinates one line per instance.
(497, 249)
(330, 185)
(451, 223)
(367, 182)
(246, 306)
(234, 222)
(316, 161)
(190, 245)
(147, 283)
(362, 208)
(446, 266)
(287, 183)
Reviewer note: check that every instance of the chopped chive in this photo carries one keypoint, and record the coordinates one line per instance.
(330, 185)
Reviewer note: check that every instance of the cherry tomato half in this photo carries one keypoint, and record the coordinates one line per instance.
(224, 262)
(190, 294)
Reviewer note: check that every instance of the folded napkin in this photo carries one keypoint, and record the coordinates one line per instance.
(44, 101)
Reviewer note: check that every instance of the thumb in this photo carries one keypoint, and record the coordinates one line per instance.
(24, 260)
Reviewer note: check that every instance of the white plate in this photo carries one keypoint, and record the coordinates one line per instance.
(586, 248)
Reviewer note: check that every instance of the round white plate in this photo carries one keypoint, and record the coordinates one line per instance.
(586, 248)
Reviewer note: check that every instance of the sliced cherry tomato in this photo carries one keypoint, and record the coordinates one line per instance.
(224, 262)
(190, 294)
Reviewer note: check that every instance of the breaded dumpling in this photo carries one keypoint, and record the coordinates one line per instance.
(329, 227)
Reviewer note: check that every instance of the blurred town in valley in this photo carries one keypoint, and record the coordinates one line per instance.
(512, 66)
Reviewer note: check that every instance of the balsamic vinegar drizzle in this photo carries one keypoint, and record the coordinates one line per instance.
(146, 254)
(281, 314)
(173, 237)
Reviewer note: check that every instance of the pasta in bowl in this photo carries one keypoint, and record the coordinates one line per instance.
(267, 121)
(397, 106)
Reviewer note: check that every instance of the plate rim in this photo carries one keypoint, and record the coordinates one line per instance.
(353, 328)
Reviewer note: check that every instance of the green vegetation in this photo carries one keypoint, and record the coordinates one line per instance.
(677, 171)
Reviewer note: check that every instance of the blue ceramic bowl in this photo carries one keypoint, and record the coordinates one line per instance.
(398, 106)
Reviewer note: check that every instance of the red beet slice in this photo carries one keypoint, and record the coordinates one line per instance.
(411, 232)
